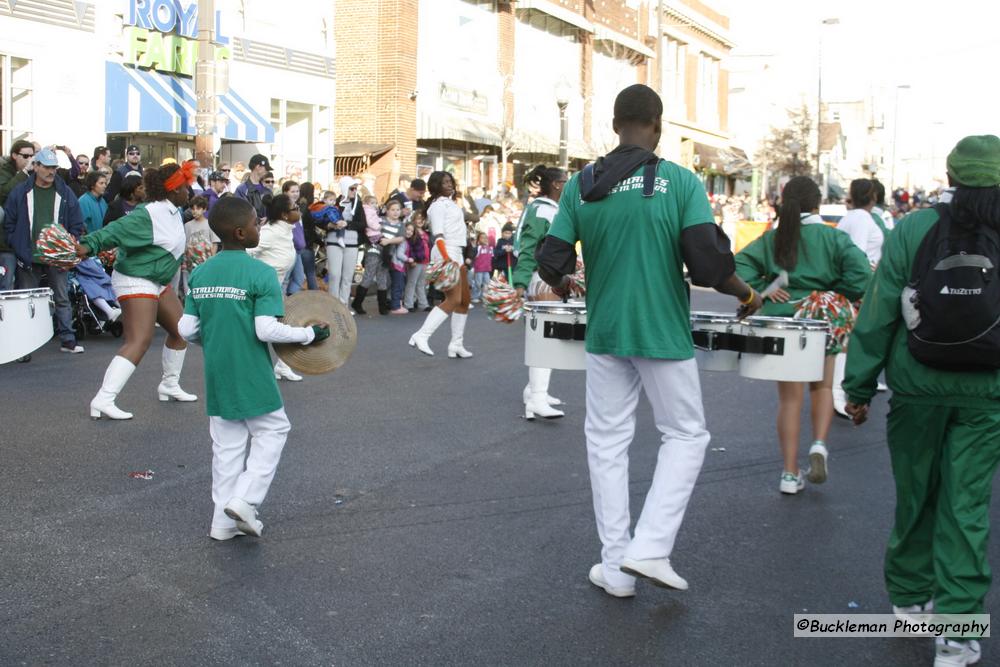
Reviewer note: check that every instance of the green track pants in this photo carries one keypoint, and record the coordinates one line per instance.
(943, 460)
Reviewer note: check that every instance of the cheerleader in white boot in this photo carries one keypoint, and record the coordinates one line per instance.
(150, 242)
(531, 229)
(449, 234)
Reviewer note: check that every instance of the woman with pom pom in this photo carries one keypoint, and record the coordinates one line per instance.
(151, 243)
(449, 235)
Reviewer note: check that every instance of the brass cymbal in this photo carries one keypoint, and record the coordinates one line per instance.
(310, 307)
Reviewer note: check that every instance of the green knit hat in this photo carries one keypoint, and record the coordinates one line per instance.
(975, 161)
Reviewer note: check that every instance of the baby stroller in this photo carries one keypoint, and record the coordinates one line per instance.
(95, 310)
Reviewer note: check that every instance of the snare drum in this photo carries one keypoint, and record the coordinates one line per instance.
(25, 322)
(712, 333)
(554, 333)
(784, 349)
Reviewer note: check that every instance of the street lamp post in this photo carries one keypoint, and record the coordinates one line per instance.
(895, 134)
(562, 101)
(819, 103)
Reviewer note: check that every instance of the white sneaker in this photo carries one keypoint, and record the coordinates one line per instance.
(597, 578)
(791, 484)
(286, 373)
(949, 653)
(222, 534)
(914, 613)
(245, 516)
(71, 348)
(657, 570)
(817, 463)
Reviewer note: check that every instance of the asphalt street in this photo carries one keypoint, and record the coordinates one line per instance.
(417, 519)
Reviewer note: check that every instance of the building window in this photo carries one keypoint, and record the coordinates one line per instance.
(707, 103)
(674, 69)
(15, 99)
(302, 141)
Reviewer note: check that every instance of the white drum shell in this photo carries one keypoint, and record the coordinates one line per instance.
(25, 322)
(716, 360)
(542, 352)
(804, 353)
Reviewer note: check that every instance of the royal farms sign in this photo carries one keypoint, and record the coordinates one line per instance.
(162, 35)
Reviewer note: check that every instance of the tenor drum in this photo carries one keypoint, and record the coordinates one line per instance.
(25, 322)
(785, 349)
(713, 335)
(554, 333)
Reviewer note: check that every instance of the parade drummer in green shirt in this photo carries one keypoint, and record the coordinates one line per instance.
(943, 426)
(816, 258)
(531, 229)
(640, 220)
(231, 310)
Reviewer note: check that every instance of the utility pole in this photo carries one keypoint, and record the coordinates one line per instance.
(819, 106)
(205, 87)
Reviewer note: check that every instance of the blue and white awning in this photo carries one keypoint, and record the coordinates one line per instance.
(145, 101)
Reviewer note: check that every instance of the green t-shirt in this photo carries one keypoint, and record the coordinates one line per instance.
(637, 302)
(226, 293)
(43, 214)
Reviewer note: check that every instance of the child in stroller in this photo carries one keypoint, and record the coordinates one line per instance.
(95, 309)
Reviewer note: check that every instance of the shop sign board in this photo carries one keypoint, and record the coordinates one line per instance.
(162, 35)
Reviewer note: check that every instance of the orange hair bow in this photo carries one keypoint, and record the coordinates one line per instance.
(182, 177)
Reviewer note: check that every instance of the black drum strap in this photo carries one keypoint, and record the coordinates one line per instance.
(716, 340)
(564, 330)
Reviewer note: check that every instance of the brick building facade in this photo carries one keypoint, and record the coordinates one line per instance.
(472, 86)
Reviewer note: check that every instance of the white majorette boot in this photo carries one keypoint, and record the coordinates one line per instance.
(552, 400)
(119, 371)
(536, 405)
(283, 371)
(170, 388)
(456, 348)
(435, 318)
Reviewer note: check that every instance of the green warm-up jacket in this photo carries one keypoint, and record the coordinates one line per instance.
(827, 261)
(879, 337)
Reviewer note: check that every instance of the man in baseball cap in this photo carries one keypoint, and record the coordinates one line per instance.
(253, 190)
(34, 204)
(218, 186)
(133, 164)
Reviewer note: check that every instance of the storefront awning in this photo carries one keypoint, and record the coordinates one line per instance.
(457, 128)
(606, 34)
(557, 11)
(727, 160)
(145, 101)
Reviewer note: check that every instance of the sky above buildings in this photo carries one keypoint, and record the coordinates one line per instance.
(946, 53)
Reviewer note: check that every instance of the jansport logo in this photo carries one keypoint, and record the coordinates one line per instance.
(961, 291)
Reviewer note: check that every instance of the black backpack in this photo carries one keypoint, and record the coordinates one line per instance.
(952, 304)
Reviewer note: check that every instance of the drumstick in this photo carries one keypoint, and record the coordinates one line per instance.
(510, 275)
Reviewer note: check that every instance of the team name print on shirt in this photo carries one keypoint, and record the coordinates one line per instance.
(219, 292)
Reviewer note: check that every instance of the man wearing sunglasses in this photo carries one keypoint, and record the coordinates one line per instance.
(13, 170)
(254, 189)
(133, 165)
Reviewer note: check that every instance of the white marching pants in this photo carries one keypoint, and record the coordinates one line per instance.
(230, 479)
(674, 391)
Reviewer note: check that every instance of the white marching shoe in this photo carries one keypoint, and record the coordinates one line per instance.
(119, 371)
(456, 348)
(839, 395)
(537, 404)
(552, 400)
(170, 388)
(435, 318)
(283, 371)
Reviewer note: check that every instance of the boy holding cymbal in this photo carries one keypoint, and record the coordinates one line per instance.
(231, 310)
